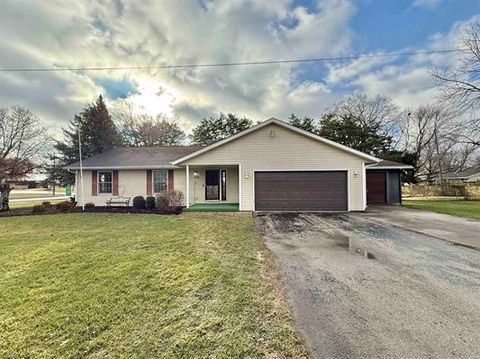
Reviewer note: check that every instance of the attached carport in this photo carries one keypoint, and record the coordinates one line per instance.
(384, 182)
(301, 191)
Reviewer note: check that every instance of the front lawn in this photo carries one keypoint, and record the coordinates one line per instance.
(23, 204)
(126, 285)
(461, 208)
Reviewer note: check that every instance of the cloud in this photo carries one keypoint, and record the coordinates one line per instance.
(408, 80)
(122, 33)
(427, 4)
(91, 33)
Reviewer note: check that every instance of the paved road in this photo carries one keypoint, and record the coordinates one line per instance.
(419, 297)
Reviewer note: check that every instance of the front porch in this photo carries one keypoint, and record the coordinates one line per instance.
(212, 188)
(213, 207)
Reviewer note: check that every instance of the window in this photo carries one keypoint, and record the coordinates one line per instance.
(160, 181)
(105, 182)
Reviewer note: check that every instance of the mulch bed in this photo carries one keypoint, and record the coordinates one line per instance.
(27, 211)
(112, 209)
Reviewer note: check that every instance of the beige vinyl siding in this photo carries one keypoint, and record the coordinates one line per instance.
(197, 185)
(276, 148)
(130, 182)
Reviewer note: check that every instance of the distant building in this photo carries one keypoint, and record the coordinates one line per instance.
(35, 180)
(470, 175)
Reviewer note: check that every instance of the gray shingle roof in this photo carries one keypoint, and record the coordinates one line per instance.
(384, 164)
(463, 174)
(136, 157)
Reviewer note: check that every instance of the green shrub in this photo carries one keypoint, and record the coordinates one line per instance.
(139, 202)
(47, 204)
(64, 206)
(89, 205)
(150, 202)
(39, 208)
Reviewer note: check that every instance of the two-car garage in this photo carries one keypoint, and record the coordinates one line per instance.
(301, 191)
(325, 190)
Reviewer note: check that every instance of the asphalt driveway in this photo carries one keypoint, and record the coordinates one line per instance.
(462, 231)
(413, 296)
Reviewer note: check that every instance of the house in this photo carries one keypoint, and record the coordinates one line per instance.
(470, 175)
(272, 166)
(36, 180)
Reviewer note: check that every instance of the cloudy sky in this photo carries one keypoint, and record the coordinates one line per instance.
(84, 33)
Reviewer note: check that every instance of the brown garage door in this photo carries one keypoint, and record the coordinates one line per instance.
(301, 191)
(376, 191)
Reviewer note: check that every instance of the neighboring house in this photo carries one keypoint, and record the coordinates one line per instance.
(31, 181)
(470, 175)
(272, 166)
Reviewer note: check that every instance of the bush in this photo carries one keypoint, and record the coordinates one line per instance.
(139, 202)
(39, 208)
(64, 206)
(170, 200)
(150, 202)
(47, 204)
(89, 205)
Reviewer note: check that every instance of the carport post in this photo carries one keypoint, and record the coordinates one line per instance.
(187, 196)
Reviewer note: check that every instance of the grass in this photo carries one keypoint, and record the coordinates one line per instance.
(461, 208)
(15, 195)
(213, 207)
(121, 285)
(24, 204)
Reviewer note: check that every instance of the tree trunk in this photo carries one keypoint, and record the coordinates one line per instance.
(4, 196)
(440, 170)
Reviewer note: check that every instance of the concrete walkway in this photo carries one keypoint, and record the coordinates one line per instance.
(458, 230)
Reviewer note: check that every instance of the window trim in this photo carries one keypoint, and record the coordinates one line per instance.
(153, 180)
(98, 183)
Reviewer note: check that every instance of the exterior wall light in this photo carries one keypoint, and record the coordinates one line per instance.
(355, 173)
(196, 175)
(247, 175)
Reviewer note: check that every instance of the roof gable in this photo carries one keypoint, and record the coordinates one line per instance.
(283, 125)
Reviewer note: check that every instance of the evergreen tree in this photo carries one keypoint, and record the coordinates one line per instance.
(214, 129)
(348, 131)
(306, 123)
(98, 134)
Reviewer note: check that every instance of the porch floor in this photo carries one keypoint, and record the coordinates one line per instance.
(212, 207)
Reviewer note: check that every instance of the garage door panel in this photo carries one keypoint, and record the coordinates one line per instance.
(301, 191)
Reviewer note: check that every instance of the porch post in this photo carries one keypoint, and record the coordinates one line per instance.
(187, 196)
(239, 187)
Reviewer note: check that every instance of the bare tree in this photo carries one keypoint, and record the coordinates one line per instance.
(379, 113)
(21, 140)
(143, 130)
(428, 135)
(460, 86)
(368, 110)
